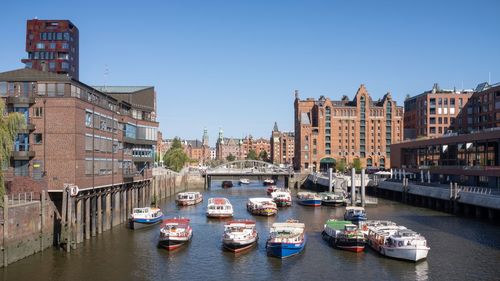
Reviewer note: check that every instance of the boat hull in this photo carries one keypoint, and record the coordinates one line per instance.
(351, 245)
(219, 216)
(310, 202)
(284, 250)
(283, 203)
(263, 212)
(332, 203)
(172, 244)
(143, 223)
(237, 246)
(188, 202)
(355, 218)
(405, 253)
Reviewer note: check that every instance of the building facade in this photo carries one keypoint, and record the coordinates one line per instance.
(328, 131)
(282, 147)
(52, 45)
(433, 112)
(77, 134)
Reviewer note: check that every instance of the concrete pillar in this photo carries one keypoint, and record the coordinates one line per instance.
(404, 174)
(428, 176)
(93, 213)
(6, 230)
(87, 218)
(99, 213)
(107, 214)
(116, 209)
(353, 187)
(363, 183)
(69, 221)
(79, 228)
(422, 176)
(392, 175)
(330, 179)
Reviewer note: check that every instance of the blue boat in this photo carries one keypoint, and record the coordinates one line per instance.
(144, 217)
(309, 199)
(286, 239)
(355, 214)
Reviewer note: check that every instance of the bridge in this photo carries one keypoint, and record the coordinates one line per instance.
(252, 169)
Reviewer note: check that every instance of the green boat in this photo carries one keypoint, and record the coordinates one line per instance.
(343, 235)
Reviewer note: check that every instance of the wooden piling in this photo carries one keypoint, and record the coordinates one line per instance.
(107, 215)
(99, 213)
(93, 214)
(116, 209)
(87, 218)
(79, 222)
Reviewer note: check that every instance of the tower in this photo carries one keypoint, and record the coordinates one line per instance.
(205, 138)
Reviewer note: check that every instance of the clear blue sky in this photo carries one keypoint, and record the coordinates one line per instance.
(235, 64)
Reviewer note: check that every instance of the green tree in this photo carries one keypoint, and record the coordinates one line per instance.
(263, 155)
(251, 155)
(230, 157)
(176, 157)
(341, 165)
(356, 164)
(10, 125)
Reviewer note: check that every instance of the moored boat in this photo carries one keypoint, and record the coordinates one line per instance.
(270, 189)
(343, 235)
(188, 198)
(227, 184)
(262, 206)
(144, 217)
(239, 235)
(395, 241)
(175, 233)
(332, 199)
(268, 182)
(219, 208)
(309, 199)
(282, 198)
(244, 181)
(355, 214)
(286, 239)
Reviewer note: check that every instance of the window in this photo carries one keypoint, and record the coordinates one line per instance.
(66, 36)
(52, 65)
(65, 65)
(21, 168)
(40, 46)
(38, 138)
(3, 89)
(38, 111)
(52, 45)
(60, 89)
(59, 36)
(41, 89)
(88, 119)
(65, 45)
(51, 89)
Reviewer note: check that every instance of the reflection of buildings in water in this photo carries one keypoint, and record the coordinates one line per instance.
(422, 271)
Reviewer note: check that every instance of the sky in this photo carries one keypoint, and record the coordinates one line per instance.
(235, 64)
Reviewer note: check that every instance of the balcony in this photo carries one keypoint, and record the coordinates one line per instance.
(21, 100)
(22, 155)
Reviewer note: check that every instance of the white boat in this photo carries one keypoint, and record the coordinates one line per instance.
(219, 208)
(395, 241)
(239, 235)
(175, 233)
(268, 182)
(188, 198)
(355, 214)
(282, 198)
(244, 181)
(309, 199)
(143, 217)
(262, 206)
(332, 199)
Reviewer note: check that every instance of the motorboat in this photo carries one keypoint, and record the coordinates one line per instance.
(270, 189)
(144, 217)
(244, 181)
(188, 198)
(355, 214)
(239, 235)
(227, 184)
(269, 182)
(309, 199)
(174, 233)
(332, 199)
(219, 208)
(343, 235)
(282, 198)
(262, 206)
(286, 239)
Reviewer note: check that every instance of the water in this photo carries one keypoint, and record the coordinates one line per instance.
(461, 249)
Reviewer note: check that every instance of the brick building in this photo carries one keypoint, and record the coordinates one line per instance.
(282, 146)
(328, 131)
(433, 112)
(227, 146)
(259, 145)
(52, 45)
(77, 134)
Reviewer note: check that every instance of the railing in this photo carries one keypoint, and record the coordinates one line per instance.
(23, 198)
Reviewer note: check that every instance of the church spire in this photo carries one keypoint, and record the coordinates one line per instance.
(275, 129)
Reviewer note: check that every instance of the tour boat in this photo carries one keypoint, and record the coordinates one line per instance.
(227, 184)
(143, 217)
(268, 182)
(262, 206)
(332, 199)
(239, 235)
(286, 239)
(395, 241)
(175, 233)
(219, 208)
(188, 198)
(343, 235)
(309, 199)
(282, 198)
(244, 181)
(355, 214)
(270, 189)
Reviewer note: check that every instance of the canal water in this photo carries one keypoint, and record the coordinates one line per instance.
(461, 249)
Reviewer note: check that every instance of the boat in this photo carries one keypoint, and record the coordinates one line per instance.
(262, 206)
(355, 214)
(239, 235)
(219, 208)
(175, 233)
(282, 198)
(396, 241)
(309, 199)
(144, 217)
(244, 181)
(268, 182)
(227, 184)
(332, 199)
(344, 235)
(270, 189)
(188, 198)
(286, 239)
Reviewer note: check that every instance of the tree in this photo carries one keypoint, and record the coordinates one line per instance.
(263, 155)
(341, 165)
(176, 157)
(356, 164)
(252, 155)
(230, 157)
(9, 127)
